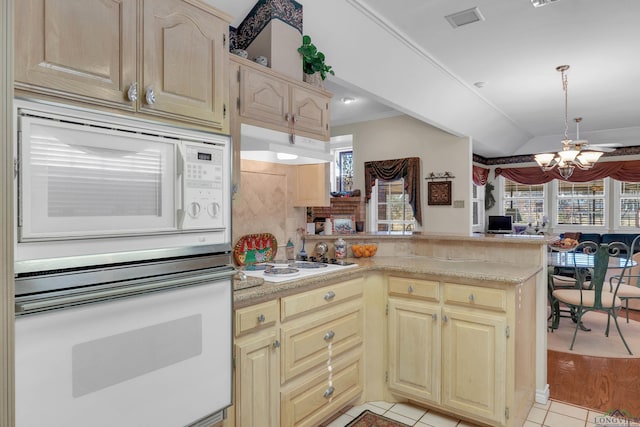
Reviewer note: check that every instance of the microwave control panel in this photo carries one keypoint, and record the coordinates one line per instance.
(203, 181)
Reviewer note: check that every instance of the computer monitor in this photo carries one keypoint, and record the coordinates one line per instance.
(502, 224)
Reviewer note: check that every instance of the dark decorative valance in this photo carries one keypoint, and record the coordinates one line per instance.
(390, 170)
(480, 175)
(622, 171)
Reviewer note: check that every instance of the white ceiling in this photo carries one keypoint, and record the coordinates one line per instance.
(515, 51)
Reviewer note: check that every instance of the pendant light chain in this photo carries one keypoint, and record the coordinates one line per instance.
(565, 84)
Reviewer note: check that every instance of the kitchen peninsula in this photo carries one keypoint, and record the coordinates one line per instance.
(452, 322)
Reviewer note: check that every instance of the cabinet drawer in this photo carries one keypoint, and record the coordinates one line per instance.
(314, 400)
(257, 316)
(306, 342)
(415, 288)
(474, 296)
(317, 299)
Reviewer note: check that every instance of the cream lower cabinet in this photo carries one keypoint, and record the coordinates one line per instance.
(257, 366)
(321, 353)
(450, 347)
(299, 359)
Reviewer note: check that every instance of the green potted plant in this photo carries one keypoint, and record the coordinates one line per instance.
(313, 61)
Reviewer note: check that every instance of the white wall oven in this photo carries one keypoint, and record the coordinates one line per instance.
(123, 271)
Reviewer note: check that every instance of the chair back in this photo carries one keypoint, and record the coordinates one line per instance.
(602, 269)
(633, 276)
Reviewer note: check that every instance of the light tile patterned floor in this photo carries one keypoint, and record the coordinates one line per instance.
(553, 414)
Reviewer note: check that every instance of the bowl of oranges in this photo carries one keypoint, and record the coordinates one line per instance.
(364, 250)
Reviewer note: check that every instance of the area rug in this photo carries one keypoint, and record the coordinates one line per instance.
(595, 343)
(371, 419)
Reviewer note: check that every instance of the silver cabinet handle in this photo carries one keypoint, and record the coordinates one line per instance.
(276, 344)
(472, 298)
(434, 316)
(329, 335)
(410, 289)
(132, 93)
(287, 117)
(445, 318)
(294, 118)
(329, 295)
(328, 392)
(150, 96)
(261, 318)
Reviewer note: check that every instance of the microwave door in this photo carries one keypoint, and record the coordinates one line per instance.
(79, 181)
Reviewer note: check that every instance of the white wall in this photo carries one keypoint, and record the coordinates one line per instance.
(402, 136)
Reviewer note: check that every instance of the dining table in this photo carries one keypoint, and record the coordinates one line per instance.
(580, 263)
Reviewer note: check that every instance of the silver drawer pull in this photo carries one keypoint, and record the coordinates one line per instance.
(445, 318)
(132, 93)
(150, 96)
(329, 335)
(276, 344)
(261, 318)
(434, 316)
(472, 298)
(329, 295)
(328, 392)
(410, 289)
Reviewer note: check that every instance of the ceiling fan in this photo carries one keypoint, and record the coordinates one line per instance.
(582, 144)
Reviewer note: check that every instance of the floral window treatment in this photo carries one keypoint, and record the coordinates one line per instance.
(480, 175)
(389, 170)
(622, 171)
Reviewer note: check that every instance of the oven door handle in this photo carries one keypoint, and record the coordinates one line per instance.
(32, 305)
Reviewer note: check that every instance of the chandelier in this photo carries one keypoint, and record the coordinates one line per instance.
(572, 154)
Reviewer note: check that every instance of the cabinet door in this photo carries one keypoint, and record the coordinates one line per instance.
(312, 187)
(264, 99)
(184, 62)
(257, 381)
(414, 349)
(310, 113)
(474, 368)
(78, 49)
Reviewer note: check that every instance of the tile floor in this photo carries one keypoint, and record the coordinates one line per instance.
(553, 414)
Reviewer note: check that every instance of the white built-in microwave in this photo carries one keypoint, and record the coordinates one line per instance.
(94, 183)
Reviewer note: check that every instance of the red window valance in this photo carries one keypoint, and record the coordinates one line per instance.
(622, 171)
(480, 175)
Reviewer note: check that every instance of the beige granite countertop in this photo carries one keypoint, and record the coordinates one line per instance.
(461, 269)
(520, 239)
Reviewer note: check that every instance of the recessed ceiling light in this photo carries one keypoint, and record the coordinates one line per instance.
(538, 3)
(286, 156)
(347, 100)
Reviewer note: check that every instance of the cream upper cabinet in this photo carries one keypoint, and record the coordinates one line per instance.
(93, 51)
(270, 100)
(183, 62)
(312, 186)
(79, 49)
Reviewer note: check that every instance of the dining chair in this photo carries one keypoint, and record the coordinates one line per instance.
(598, 297)
(628, 288)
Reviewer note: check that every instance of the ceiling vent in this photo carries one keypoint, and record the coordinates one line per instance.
(465, 17)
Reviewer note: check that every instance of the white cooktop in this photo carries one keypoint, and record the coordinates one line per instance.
(277, 273)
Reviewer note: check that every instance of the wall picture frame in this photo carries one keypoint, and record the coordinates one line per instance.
(439, 193)
(343, 224)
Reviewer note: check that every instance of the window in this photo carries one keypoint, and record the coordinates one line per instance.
(581, 203)
(525, 203)
(629, 196)
(391, 211)
(344, 170)
(477, 201)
